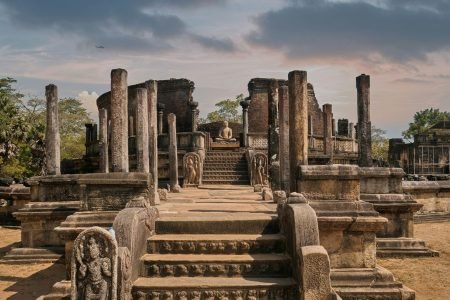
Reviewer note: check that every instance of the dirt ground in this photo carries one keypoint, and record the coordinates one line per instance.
(429, 277)
(27, 281)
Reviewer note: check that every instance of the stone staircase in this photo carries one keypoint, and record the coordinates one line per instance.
(225, 167)
(216, 256)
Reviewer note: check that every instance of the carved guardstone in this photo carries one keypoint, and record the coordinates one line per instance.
(94, 265)
(259, 170)
(192, 170)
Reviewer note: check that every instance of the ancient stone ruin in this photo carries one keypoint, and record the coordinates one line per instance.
(286, 205)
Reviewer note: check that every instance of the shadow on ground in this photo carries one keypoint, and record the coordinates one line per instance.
(37, 284)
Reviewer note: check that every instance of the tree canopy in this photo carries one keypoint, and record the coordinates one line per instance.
(380, 144)
(227, 110)
(22, 131)
(423, 120)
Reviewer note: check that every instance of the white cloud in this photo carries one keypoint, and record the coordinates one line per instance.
(89, 102)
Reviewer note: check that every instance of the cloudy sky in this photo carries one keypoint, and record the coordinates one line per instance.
(221, 44)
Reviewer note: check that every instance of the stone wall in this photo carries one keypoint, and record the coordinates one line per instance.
(258, 112)
(175, 94)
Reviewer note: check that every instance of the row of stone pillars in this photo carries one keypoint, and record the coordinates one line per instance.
(288, 128)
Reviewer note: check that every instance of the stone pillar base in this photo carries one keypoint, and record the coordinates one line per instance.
(369, 283)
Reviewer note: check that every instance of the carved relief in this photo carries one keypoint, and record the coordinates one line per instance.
(94, 265)
(124, 283)
(259, 169)
(254, 294)
(192, 168)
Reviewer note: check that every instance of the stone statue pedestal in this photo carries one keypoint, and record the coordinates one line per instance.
(383, 188)
(102, 196)
(53, 199)
(347, 230)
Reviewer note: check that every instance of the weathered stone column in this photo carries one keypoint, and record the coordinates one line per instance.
(283, 105)
(160, 117)
(327, 129)
(194, 115)
(352, 135)
(173, 154)
(119, 120)
(52, 139)
(298, 122)
(103, 122)
(343, 127)
(364, 124)
(273, 133)
(152, 96)
(91, 139)
(245, 103)
(142, 132)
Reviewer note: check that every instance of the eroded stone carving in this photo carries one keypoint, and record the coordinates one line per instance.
(259, 169)
(192, 169)
(94, 265)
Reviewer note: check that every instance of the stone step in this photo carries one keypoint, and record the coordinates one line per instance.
(33, 255)
(210, 288)
(224, 164)
(214, 265)
(218, 223)
(218, 173)
(401, 247)
(214, 243)
(237, 177)
(234, 182)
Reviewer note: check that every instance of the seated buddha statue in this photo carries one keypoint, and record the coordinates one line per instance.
(226, 134)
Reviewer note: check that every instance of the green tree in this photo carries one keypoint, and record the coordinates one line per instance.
(22, 131)
(72, 117)
(380, 144)
(424, 120)
(12, 126)
(227, 110)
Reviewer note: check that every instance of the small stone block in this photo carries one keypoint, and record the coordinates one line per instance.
(296, 198)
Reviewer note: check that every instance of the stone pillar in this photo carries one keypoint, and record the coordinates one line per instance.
(273, 123)
(103, 122)
(298, 122)
(333, 127)
(327, 129)
(153, 119)
(160, 118)
(343, 127)
(52, 139)
(142, 132)
(173, 154)
(194, 115)
(352, 135)
(88, 139)
(364, 124)
(245, 103)
(283, 105)
(119, 120)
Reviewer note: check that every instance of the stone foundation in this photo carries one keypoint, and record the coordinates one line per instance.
(347, 230)
(383, 188)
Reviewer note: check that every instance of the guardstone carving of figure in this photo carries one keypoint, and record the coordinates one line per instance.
(259, 167)
(94, 265)
(192, 169)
